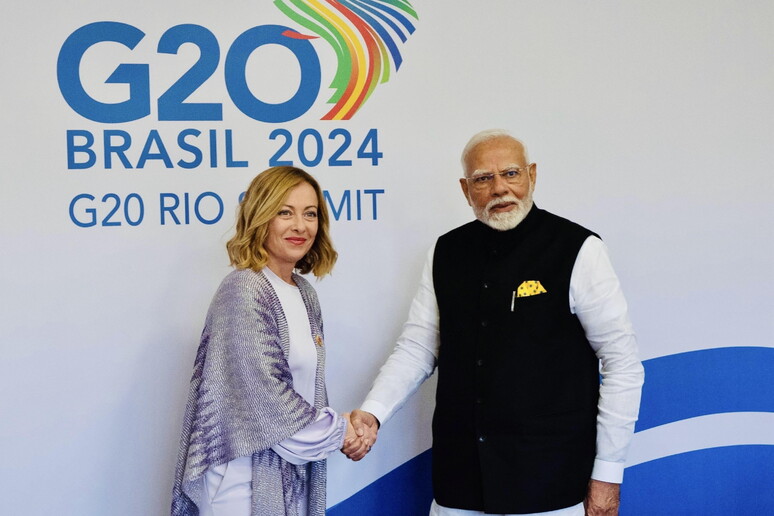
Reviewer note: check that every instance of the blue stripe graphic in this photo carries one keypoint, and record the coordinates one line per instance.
(405, 491)
(708, 381)
(728, 481)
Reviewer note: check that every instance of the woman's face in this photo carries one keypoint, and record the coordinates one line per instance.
(293, 229)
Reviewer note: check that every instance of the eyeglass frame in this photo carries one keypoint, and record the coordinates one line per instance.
(491, 175)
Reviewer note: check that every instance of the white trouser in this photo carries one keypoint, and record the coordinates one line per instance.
(228, 489)
(439, 510)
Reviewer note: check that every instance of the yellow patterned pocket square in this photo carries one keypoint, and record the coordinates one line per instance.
(530, 288)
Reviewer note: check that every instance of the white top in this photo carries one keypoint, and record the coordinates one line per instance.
(302, 357)
(595, 297)
(321, 438)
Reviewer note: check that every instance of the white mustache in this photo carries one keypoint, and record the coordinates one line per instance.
(503, 200)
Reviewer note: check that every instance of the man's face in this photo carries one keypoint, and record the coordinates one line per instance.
(503, 202)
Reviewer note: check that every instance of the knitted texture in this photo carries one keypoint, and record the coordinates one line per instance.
(241, 399)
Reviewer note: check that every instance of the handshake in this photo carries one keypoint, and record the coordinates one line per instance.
(362, 428)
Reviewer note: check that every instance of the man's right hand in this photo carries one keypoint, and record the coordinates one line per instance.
(366, 427)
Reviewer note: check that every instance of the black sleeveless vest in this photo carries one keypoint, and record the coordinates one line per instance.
(514, 428)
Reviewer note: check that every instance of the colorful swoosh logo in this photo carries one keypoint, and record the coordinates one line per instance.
(363, 36)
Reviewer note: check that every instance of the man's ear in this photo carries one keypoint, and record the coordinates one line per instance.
(464, 185)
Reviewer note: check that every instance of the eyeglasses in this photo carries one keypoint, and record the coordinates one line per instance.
(512, 176)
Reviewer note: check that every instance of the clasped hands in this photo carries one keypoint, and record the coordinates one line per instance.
(362, 428)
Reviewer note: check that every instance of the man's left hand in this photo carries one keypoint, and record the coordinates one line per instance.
(602, 498)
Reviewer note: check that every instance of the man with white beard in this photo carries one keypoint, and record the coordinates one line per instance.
(517, 310)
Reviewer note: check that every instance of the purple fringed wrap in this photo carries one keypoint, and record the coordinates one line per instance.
(241, 400)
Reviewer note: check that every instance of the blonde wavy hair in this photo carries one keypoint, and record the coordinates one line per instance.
(261, 203)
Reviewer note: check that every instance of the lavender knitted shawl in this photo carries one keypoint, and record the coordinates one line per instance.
(241, 399)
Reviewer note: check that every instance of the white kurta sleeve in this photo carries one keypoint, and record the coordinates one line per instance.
(414, 358)
(596, 298)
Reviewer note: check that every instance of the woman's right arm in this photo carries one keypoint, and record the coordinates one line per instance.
(317, 440)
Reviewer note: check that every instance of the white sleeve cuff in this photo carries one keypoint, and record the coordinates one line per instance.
(315, 441)
(608, 471)
(379, 411)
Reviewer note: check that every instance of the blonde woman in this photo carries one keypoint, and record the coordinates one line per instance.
(257, 426)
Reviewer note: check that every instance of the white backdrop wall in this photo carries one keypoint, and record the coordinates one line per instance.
(650, 122)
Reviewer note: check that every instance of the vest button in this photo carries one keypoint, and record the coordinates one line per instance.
(481, 438)
(484, 323)
(480, 362)
(486, 285)
(479, 401)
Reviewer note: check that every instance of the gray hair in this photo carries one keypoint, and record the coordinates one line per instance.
(485, 136)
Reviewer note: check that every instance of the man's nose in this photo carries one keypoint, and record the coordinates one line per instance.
(499, 185)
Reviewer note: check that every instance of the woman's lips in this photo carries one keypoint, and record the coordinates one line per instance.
(296, 241)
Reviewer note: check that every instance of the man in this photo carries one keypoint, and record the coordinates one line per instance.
(517, 310)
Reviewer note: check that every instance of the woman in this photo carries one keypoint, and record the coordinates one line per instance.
(257, 428)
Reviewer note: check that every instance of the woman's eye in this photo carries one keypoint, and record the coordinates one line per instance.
(311, 214)
(284, 213)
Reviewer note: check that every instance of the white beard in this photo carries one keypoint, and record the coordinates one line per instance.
(506, 220)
